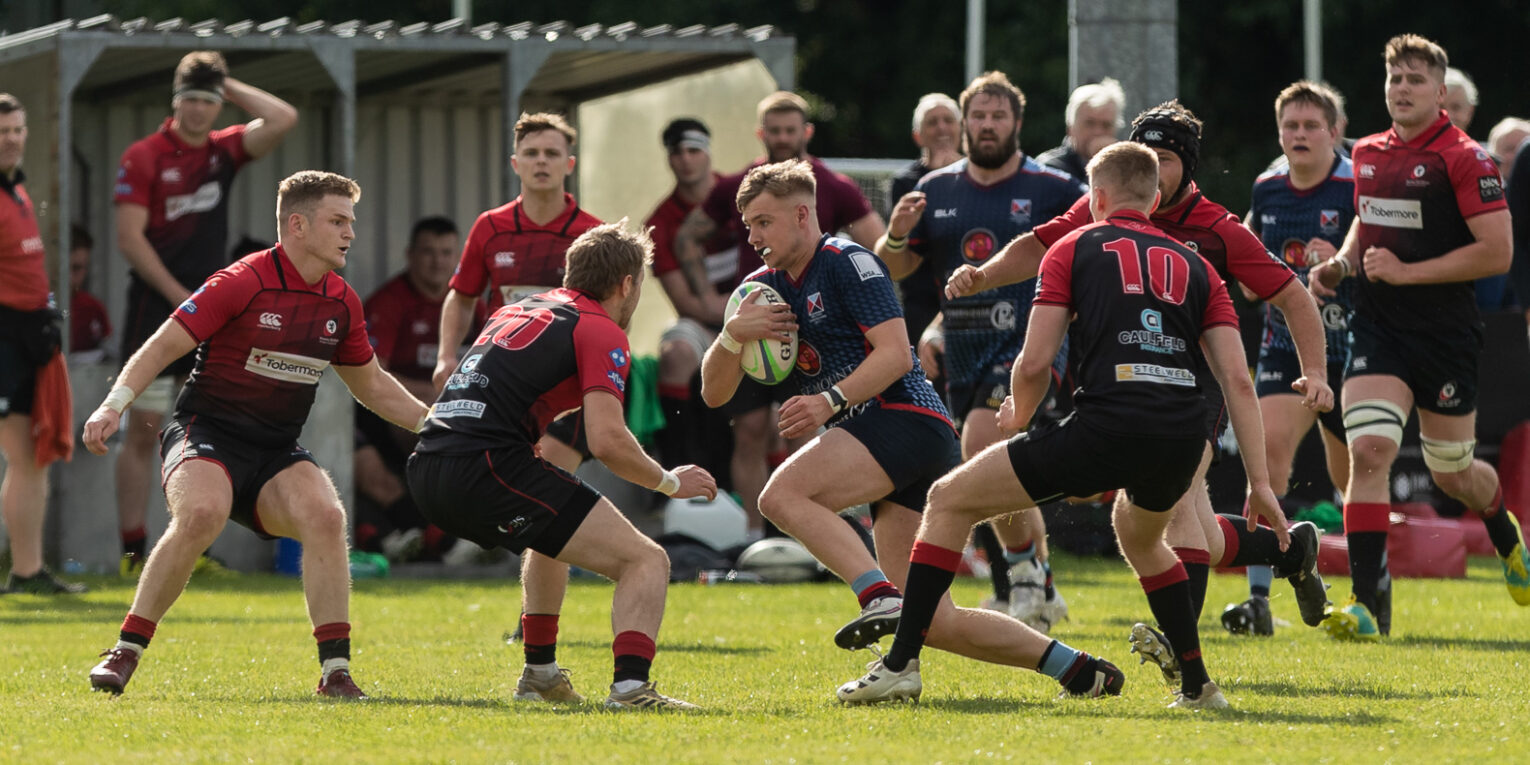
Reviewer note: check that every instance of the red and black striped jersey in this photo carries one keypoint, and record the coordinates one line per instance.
(514, 257)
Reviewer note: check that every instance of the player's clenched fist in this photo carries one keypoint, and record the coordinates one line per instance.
(964, 281)
(102, 424)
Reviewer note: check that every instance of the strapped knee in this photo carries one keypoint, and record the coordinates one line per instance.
(1374, 417)
(1448, 456)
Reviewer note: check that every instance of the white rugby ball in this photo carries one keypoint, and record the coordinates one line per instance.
(769, 361)
(780, 560)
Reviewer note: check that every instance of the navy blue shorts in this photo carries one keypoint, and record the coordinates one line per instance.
(1440, 368)
(248, 466)
(913, 449)
(1279, 367)
(985, 391)
(505, 497)
(1071, 459)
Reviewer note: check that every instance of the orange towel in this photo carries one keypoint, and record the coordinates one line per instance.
(53, 413)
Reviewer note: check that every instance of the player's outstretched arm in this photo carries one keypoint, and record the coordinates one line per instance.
(274, 118)
(616, 447)
(381, 392)
(456, 317)
(1223, 347)
(170, 342)
(1028, 379)
(1306, 326)
(720, 371)
(1018, 261)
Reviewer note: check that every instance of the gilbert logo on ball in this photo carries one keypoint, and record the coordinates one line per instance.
(768, 361)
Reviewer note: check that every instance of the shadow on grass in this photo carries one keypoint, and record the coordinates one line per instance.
(1294, 690)
(1476, 644)
(724, 650)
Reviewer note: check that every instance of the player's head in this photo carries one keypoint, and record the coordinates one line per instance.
(937, 124)
(608, 262)
(197, 93)
(689, 145)
(992, 110)
(13, 133)
(1415, 85)
(544, 152)
(80, 245)
(1095, 113)
(1174, 132)
(432, 253)
(1123, 175)
(784, 126)
(1307, 117)
(315, 211)
(779, 205)
(1460, 97)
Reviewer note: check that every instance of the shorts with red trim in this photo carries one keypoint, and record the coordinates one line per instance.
(506, 497)
(248, 466)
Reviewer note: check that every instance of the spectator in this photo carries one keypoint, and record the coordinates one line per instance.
(1093, 116)
(89, 324)
(1504, 140)
(1460, 98)
(937, 133)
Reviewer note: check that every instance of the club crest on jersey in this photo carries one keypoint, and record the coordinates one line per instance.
(1448, 394)
(1328, 221)
(1020, 211)
(978, 246)
(330, 327)
(808, 361)
(618, 358)
(1294, 253)
(815, 306)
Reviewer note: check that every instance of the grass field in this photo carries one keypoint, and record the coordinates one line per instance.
(231, 673)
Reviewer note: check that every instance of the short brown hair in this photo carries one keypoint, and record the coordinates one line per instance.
(601, 257)
(201, 70)
(782, 101)
(1411, 47)
(1313, 94)
(1129, 170)
(536, 123)
(10, 103)
(780, 180)
(301, 191)
(994, 84)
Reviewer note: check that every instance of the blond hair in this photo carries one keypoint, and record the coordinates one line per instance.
(782, 101)
(1411, 47)
(536, 123)
(602, 257)
(782, 180)
(1311, 93)
(303, 190)
(1127, 170)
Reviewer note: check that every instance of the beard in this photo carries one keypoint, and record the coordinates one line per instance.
(993, 159)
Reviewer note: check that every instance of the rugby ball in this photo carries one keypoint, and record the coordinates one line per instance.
(768, 361)
(779, 560)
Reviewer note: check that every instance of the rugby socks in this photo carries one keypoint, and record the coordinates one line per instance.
(334, 643)
(998, 559)
(1499, 528)
(136, 633)
(1168, 595)
(1259, 580)
(134, 542)
(1197, 565)
(1073, 669)
(1365, 528)
(634, 658)
(931, 569)
(1259, 550)
(1047, 589)
(871, 585)
(539, 636)
(1014, 555)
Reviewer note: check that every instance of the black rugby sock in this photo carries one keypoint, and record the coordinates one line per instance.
(931, 569)
(1168, 597)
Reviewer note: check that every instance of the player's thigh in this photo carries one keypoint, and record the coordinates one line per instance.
(835, 469)
(1286, 422)
(1447, 427)
(607, 543)
(982, 487)
(299, 501)
(199, 486)
(1374, 387)
(979, 431)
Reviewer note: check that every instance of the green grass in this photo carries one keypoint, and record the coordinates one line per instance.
(231, 673)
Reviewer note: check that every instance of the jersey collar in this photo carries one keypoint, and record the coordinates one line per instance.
(1440, 125)
(1126, 213)
(559, 223)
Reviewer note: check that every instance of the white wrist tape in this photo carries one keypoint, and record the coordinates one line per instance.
(668, 484)
(119, 398)
(726, 340)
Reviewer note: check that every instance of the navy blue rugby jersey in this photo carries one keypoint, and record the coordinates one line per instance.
(1286, 218)
(965, 223)
(843, 292)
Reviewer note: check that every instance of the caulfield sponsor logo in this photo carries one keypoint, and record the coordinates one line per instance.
(1393, 213)
(289, 367)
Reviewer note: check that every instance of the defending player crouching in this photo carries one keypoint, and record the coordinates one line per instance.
(264, 329)
(477, 473)
(1143, 302)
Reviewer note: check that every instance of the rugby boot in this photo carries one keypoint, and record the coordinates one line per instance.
(1516, 567)
(1352, 621)
(1150, 645)
(878, 618)
(1108, 681)
(645, 697)
(1210, 698)
(113, 673)
(558, 688)
(42, 583)
(1251, 617)
(339, 685)
(882, 684)
(1311, 593)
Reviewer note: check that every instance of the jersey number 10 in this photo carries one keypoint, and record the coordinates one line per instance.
(1167, 270)
(516, 327)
